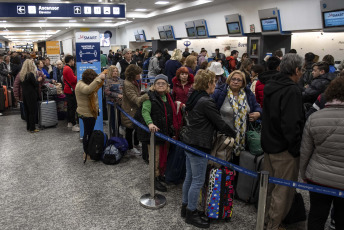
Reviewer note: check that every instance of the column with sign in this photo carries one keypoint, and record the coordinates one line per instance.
(53, 51)
(88, 57)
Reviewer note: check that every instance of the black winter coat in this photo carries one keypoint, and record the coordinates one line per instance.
(158, 117)
(283, 117)
(317, 87)
(202, 121)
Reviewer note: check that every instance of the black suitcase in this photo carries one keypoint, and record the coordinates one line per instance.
(176, 165)
(247, 186)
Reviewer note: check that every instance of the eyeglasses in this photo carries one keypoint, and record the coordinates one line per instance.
(236, 80)
(161, 83)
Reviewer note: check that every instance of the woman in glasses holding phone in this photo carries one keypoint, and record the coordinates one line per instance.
(237, 105)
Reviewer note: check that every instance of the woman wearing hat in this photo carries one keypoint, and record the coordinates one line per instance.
(216, 67)
(237, 105)
(159, 114)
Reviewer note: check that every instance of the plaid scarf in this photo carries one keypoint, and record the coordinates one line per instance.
(240, 107)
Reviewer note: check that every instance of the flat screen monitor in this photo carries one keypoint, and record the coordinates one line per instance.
(333, 19)
(191, 32)
(269, 24)
(233, 27)
(142, 38)
(137, 38)
(104, 40)
(201, 31)
(169, 34)
(162, 35)
(0, 45)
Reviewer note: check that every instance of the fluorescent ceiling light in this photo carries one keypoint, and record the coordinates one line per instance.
(162, 2)
(27, 30)
(72, 20)
(140, 10)
(42, 20)
(108, 21)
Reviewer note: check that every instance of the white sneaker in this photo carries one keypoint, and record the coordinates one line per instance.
(134, 152)
(70, 125)
(122, 131)
(76, 128)
(138, 147)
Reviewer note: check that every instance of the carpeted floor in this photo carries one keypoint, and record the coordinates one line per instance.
(45, 185)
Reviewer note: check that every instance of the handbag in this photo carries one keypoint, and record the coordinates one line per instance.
(253, 140)
(222, 148)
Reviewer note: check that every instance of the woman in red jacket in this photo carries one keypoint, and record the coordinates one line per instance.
(70, 81)
(182, 83)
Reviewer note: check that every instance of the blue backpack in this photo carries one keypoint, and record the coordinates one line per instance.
(111, 155)
(145, 67)
(120, 143)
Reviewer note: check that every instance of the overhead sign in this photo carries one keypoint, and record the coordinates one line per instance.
(61, 10)
(88, 57)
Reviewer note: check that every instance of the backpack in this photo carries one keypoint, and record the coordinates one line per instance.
(111, 155)
(120, 143)
(96, 145)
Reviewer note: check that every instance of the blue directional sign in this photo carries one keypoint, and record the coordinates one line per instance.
(47, 10)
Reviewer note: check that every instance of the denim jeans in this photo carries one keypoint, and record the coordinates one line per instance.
(196, 168)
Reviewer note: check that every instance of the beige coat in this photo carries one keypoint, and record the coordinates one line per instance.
(82, 90)
(322, 147)
(132, 101)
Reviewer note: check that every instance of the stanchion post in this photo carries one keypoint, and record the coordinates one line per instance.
(109, 119)
(116, 121)
(152, 200)
(263, 191)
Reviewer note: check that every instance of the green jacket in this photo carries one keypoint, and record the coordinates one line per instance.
(103, 60)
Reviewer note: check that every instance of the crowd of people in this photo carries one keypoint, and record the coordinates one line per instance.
(222, 94)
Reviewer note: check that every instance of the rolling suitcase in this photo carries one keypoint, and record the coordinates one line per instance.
(10, 94)
(218, 194)
(47, 114)
(22, 111)
(246, 188)
(6, 95)
(2, 99)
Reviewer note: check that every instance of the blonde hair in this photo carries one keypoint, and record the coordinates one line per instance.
(28, 67)
(241, 74)
(203, 78)
(176, 55)
(111, 69)
(168, 90)
(190, 62)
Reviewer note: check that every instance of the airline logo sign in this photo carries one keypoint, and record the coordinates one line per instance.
(8, 9)
(53, 47)
(87, 37)
(334, 19)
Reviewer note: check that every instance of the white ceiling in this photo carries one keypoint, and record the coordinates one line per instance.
(12, 29)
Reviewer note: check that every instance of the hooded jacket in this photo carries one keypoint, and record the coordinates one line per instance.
(317, 87)
(232, 63)
(179, 92)
(262, 80)
(283, 117)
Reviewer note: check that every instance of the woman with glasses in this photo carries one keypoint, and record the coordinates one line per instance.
(237, 105)
(159, 114)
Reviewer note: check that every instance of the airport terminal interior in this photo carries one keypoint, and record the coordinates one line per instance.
(45, 182)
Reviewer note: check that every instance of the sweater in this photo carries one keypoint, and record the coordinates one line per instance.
(171, 68)
(82, 92)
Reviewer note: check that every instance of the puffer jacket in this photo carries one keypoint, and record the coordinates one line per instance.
(317, 87)
(132, 101)
(322, 148)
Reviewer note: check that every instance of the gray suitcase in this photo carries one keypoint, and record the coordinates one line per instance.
(247, 186)
(47, 114)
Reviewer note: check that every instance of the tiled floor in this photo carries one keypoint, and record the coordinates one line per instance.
(45, 185)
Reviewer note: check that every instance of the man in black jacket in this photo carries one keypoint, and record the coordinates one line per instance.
(282, 126)
(321, 79)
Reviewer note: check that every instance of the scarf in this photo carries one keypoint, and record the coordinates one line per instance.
(240, 107)
(92, 101)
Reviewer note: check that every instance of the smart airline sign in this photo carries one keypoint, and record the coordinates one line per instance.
(8, 9)
(334, 19)
(89, 37)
